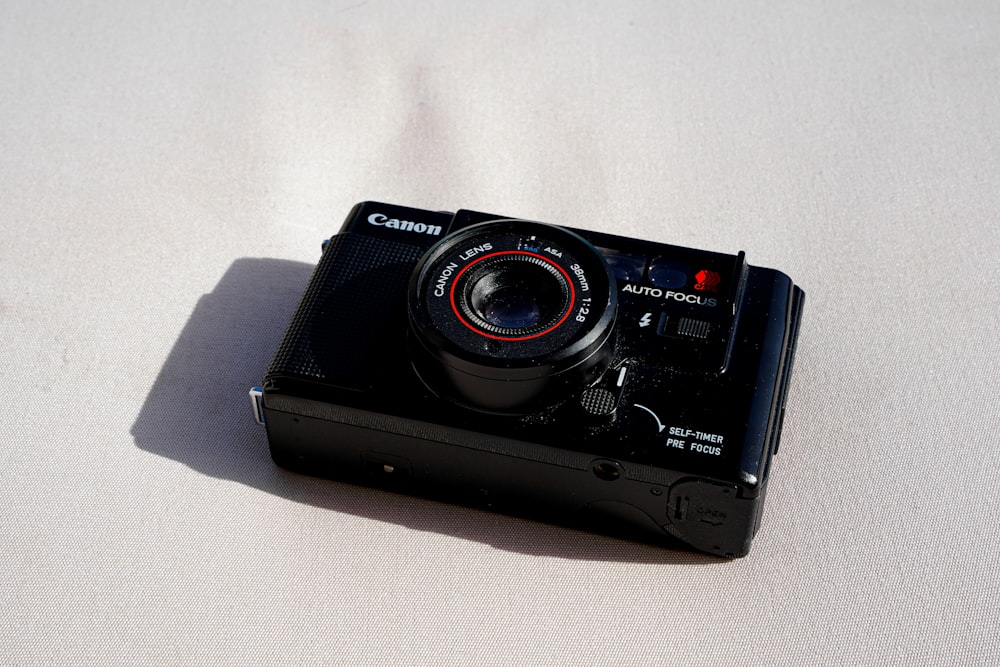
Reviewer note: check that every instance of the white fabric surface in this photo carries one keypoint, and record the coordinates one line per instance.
(169, 169)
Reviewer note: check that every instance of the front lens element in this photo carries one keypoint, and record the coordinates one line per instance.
(511, 307)
(513, 295)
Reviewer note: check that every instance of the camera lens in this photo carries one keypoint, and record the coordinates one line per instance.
(515, 294)
(508, 313)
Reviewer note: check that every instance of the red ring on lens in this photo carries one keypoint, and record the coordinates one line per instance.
(569, 281)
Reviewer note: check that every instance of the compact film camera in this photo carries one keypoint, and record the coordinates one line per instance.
(604, 382)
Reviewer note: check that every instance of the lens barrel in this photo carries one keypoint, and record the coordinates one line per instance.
(511, 313)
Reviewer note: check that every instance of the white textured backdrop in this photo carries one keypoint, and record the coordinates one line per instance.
(167, 171)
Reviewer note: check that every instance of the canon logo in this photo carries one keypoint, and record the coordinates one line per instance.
(380, 220)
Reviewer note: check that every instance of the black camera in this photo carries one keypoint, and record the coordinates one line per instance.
(604, 382)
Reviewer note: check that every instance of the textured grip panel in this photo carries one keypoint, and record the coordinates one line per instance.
(350, 314)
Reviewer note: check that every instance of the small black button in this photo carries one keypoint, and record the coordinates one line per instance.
(598, 402)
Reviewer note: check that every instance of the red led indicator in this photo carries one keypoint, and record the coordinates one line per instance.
(707, 281)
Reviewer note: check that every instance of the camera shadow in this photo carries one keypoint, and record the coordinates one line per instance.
(199, 414)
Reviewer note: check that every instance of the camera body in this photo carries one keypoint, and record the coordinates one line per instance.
(614, 384)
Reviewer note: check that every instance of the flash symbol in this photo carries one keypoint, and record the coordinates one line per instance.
(644, 322)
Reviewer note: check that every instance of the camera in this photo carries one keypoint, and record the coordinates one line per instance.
(609, 383)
